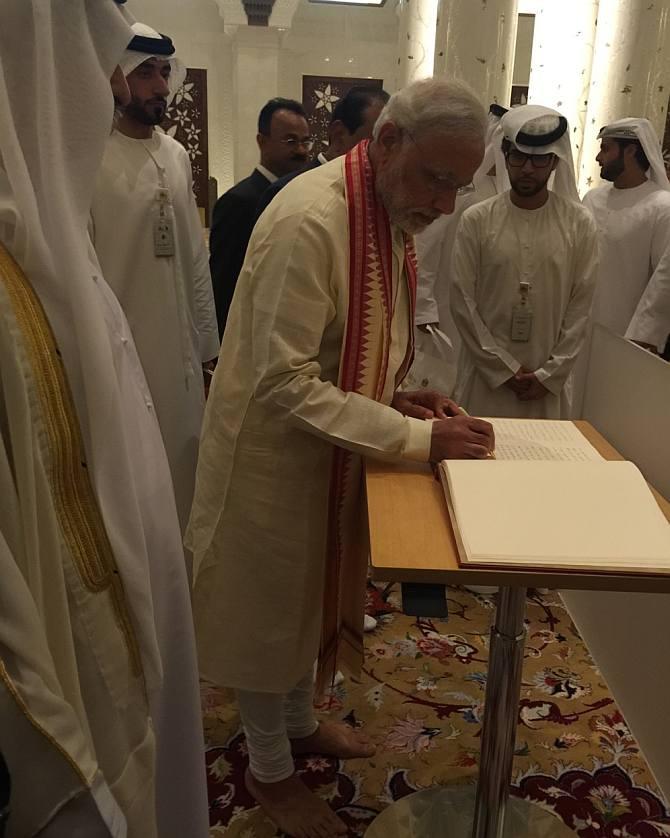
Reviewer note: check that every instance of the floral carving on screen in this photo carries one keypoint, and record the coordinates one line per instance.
(666, 140)
(320, 94)
(186, 121)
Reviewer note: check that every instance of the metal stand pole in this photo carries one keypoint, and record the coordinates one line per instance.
(503, 688)
(457, 811)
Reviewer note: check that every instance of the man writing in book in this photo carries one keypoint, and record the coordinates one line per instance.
(525, 266)
(318, 340)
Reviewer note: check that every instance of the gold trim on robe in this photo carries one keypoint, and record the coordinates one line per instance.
(75, 503)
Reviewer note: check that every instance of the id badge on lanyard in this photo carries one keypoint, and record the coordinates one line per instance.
(163, 224)
(522, 316)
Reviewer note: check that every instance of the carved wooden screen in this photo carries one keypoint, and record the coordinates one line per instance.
(186, 121)
(319, 95)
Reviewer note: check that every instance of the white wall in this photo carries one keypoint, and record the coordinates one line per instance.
(628, 400)
(327, 40)
(322, 40)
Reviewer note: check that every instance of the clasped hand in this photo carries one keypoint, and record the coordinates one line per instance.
(526, 386)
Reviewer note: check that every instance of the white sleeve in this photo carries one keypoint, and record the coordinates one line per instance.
(577, 314)
(651, 321)
(286, 348)
(205, 311)
(495, 364)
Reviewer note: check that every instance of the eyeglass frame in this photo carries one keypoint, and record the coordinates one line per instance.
(296, 142)
(532, 157)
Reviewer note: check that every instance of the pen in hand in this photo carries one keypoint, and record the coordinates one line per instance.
(492, 454)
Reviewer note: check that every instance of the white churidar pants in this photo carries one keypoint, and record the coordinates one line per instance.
(270, 721)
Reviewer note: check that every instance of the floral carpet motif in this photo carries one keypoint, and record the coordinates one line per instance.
(421, 699)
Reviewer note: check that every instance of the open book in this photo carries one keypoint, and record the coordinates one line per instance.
(567, 510)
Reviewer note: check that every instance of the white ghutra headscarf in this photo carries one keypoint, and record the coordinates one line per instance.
(642, 131)
(148, 43)
(534, 129)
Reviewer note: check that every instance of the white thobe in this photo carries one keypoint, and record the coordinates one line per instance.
(499, 245)
(168, 300)
(132, 483)
(74, 718)
(633, 292)
(139, 504)
(59, 635)
(274, 414)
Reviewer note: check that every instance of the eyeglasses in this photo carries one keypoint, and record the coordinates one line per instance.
(295, 142)
(516, 159)
(441, 184)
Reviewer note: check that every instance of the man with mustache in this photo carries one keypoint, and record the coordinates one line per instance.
(149, 240)
(632, 212)
(318, 341)
(285, 143)
(524, 273)
(352, 120)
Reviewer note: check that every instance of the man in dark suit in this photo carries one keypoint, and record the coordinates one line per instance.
(284, 142)
(353, 119)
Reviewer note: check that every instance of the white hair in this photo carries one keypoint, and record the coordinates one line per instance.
(450, 107)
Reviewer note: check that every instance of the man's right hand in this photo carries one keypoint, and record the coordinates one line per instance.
(461, 437)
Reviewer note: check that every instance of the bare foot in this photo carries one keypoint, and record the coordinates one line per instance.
(294, 808)
(335, 739)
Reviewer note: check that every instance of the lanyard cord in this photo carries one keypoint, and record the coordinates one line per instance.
(181, 301)
(162, 178)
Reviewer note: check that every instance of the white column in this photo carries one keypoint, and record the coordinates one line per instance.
(630, 74)
(475, 43)
(416, 40)
(560, 73)
(255, 80)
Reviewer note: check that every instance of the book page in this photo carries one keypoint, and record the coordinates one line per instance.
(541, 439)
(580, 515)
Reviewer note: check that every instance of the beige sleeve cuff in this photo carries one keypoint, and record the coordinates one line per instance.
(419, 434)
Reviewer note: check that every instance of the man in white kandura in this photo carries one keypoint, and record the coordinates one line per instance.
(149, 239)
(317, 342)
(100, 723)
(633, 217)
(524, 272)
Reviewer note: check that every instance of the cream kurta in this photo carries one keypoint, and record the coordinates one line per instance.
(633, 292)
(259, 520)
(168, 301)
(499, 245)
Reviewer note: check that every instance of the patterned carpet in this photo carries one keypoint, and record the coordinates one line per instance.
(421, 700)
